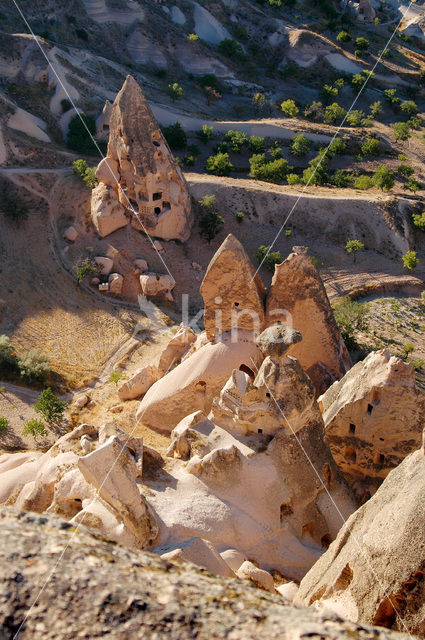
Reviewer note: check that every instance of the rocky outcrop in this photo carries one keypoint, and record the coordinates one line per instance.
(374, 571)
(106, 212)
(157, 284)
(373, 418)
(105, 589)
(139, 383)
(202, 553)
(233, 297)
(141, 169)
(297, 298)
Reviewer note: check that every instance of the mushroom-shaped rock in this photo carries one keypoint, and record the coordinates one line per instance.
(193, 384)
(261, 578)
(70, 233)
(139, 383)
(373, 418)
(297, 297)
(106, 264)
(202, 553)
(156, 284)
(107, 213)
(233, 296)
(115, 281)
(374, 570)
(276, 340)
(107, 171)
(151, 184)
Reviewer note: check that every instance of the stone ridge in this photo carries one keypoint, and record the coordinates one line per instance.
(100, 589)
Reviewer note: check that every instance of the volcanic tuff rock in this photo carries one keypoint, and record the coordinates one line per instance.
(233, 298)
(297, 297)
(107, 589)
(374, 571)
(151, 185)
(373, 417)
(106, 212)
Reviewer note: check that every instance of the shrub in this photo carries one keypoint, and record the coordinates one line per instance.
(50, 406)
(328, 92)
(192, 37)
(362, 44)
(175, 135)
(376, 109)
(256, 144)
(417, 364)
(239, 216)
(363, 183)
(4, 425)
(410, 260)
(240, 31)
(80, 131)
(371, 148)
(405, 170)
(205, 134)
(301, 145)
(383, 178)
(391, 97)
(8, 359)
(350, 317)
(293, 178)
(268, 258)
(189, 161)
(418, 220)
(259, 101)
(34, 366)
(289, 108)
(353, 246)
(334, 114)
(236, 140)
(210, 222)
(356, 118)
(413, 185)
(87, 174)
(343, 36)
(276, 152)
(336, 147)
(317, 172)
(341, 178)
(219, 164)
(409, 107)
(268, 170)
(288, 233)
(357, 80)
(401, 130)
(407, 349)
(84, 267)
(314, 111)
(175, 91)
(34, 428)
(116, 376)
(231, 48)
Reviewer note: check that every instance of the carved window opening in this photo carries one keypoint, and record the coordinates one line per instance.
(352, 428)
(236, 304)
(157, 210)
(379, 459)
(155, 143)
(350, 454)
(260, 431)
(247, 370)
(370, 409)
(325, 540)
(285, 511)
(157, 195)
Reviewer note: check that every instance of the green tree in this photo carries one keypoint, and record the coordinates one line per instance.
(87, 174)
(50, 406)
(210, 222)
(410, 260)
(293, 178)
(334, 114)
(34, 367)
(357, 118)
(192, 37)
(219, 164)
(34, 428)
(383, 178)
(289, 108)
(409, 107)
(175, 135)
(236, 140)
(231, 48)
(256, 144)
(301, 145)
(328, 92)
(270, 258)
(350, 317)
(413, 185)
(418, 220)
(84, 267)
(371, 148)
(341, 179)
(81, 130)
(405, 170)
(268, 170)
(363, 183)
(353, 246)
(401, 131)
(376, 109)
(205, 134)
(362, 44)
(4, 425)
(175, 91)
(314, 111)
(343, 36)
(240, 216)
(258, 101)
(336, 148)
(317, 172)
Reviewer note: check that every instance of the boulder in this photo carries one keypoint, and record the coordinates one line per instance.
(297, 298)
(276, 340)
(141, 264)
(233, 558)
(176, 349)
(288, 591)
(115, 281)
(107, 172)
(70, 233)
(107, 213)
(233, 297)
(151, 186)
(374, 570)
(155, 284)
(106, 264)
(262, 579)
(139, 383)
(373, 417)
(202, 553)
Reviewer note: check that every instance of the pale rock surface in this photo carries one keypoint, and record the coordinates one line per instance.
(196, 380)
(70, 233)
(131, 594)
(233, 298)
(261, 578)
(81, 400)
(106, 212)
(102, 122)
(156, 284)
(297, 298)
(233, 558)
(141, 264)
(374, 570)
(373, 417)
(107, 172)
(276, 340)
(139, 383)
(106, 264)
(151, 187)
(115, 281)
(288, 591)
(176, 349)
(202, 553)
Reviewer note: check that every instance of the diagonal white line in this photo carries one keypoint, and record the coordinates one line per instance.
(333, 138)
(116, 178)
(344, 521)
